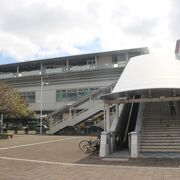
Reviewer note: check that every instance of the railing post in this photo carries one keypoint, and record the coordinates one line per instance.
(74, 111)
(107, 118)
(70, 112)
(90, 101)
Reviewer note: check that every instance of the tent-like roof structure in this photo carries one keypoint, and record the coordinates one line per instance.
(148, 73)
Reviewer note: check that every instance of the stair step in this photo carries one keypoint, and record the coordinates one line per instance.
(151, 141)
(159, 139)
(160, 135)
(160, 144)
(156, 115)
(162, 119)
(162, 131)
(161, 147)
(168, 132)
(161, 125)
(161, 128)
(161, 122)
(159, 150)
(154, 138)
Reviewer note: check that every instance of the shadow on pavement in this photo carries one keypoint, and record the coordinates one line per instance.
(94, 159)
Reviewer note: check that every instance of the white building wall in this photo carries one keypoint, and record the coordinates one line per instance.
(49, 93)
(104, 62)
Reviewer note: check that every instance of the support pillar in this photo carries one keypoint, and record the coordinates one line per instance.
(133, 144)
(17, 71)
(96, 62)
(70, 111)
(117, 111)
(105, 146)
(67, 65)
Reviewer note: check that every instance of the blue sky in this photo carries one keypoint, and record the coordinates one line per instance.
(93, 46)
(5, 59)
(37, 29)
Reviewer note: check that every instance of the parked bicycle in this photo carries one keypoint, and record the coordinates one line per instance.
(89, 146)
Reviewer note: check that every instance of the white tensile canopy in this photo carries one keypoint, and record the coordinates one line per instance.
(149, 72)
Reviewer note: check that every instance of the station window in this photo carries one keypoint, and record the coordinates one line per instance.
(72, 94)
(30, 96)
(119, 60)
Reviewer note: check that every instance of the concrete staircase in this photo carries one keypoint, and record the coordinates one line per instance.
(58, 125)
(90, 107)
(160, 131)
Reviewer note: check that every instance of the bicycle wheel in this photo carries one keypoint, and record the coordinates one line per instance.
(85, 146)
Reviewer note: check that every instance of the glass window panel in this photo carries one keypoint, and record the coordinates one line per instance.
(68, 90)
(86, 90)
(81, 93)
(92, 89)
(72, 94)
(80, 90)
(29, 96)
(121, 57)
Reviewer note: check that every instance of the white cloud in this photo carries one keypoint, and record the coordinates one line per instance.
(43, 28)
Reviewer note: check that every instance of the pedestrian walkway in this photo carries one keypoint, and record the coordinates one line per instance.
(58, 157)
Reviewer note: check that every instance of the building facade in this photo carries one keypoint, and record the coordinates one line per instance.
(49, 84)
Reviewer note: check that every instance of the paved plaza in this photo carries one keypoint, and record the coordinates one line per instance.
(59, 157)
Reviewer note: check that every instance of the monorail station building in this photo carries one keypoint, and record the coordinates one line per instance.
(132, 95)
(147, 103)
(67, 89)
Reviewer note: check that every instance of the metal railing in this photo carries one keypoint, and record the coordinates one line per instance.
(129, 118)
(81, 101)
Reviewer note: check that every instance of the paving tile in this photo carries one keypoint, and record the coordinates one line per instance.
(68, 152)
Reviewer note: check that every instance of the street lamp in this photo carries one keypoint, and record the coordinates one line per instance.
(41, 103)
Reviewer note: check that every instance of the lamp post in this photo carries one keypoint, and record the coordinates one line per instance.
(41, 103)
(1, 123)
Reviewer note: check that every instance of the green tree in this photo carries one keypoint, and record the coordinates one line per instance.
(12, 103)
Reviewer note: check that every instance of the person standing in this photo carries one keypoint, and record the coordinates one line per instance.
(172, 108)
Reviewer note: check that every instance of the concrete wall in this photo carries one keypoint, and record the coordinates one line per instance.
(49, 93)
(68, 80)
(97, 78)
(104, 62)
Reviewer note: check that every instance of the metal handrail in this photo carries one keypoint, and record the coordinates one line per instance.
(84, 110)
(74, 116)
(129, 118)
(55, 123)
(82, 100)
